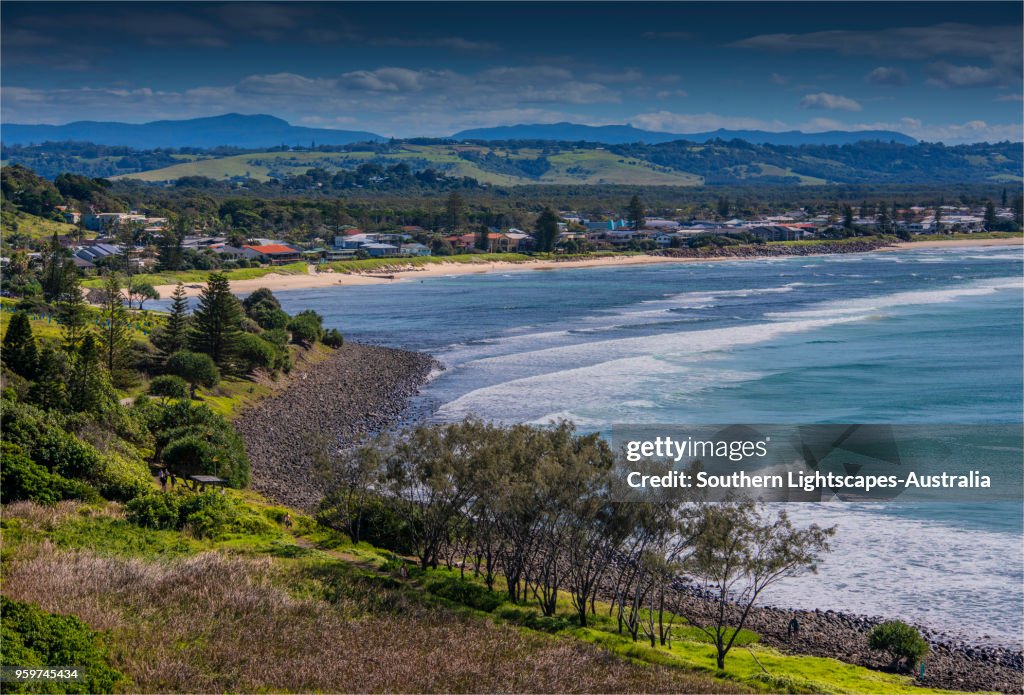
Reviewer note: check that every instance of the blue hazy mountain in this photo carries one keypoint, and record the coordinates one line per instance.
(231, 129)
(622, 134)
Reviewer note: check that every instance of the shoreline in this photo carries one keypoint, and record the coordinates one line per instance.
(363, 390)
(314, 280)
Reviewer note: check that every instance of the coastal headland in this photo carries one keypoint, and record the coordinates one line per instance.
(363, 390)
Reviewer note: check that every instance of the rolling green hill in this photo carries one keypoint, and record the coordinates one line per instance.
(522, 162)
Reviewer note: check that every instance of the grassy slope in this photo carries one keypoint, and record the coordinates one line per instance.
(305, 609)
(35, 228)
(582, 166)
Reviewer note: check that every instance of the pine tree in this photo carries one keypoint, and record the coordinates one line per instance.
(88, 387)
(723, 207)
(990, 216)
(454, 210)
(547, 230)
(1003, 201)
(49, 391)
(173, 335)
(483, 241)
(636, 213)
(19, 348)
(54, 279)
(217, 322)
(882, 221)
(847, 216)
(73, 314)
(938, 220)
(115, 333)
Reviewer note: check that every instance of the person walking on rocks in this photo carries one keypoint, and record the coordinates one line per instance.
(162, 477)
(793, 629)
(288, 521)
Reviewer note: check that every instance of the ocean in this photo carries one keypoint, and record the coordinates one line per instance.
(917, 336)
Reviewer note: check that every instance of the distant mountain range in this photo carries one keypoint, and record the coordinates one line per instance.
(260, 131)
(624, 134)
(232, 129)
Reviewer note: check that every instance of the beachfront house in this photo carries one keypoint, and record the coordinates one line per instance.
(276, 254)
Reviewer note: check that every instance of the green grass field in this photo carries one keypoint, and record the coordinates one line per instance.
(327, 573)
(584, 166)
(200, 276)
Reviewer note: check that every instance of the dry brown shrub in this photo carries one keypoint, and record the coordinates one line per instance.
(217, 623)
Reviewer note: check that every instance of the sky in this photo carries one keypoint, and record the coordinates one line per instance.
(943, 71)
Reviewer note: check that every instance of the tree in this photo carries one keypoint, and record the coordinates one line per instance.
(19, 347)
(55, 271)
(173, 335)
(990, 216)
(847, 216)
(883, 222)
(737, 552)
(72, 313)
(306, 327)
(1002, 203)
(547, 230)
(217, 322)
(483, 241)
(196, 368)
(937, 224)
(170, 252)
(636, 213)
(455, 208)
(115, 331)
(1018, 210)
(903, 642)
(88, 387)
(723, 207)
(169, 386)
(140, 292)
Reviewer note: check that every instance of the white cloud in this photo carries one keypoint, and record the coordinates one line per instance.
(669, 122)
(958, 76)
(1010, 97)
(892, 77)
(1000, 45)
(776, 78)
(398, 101)
(832, 102)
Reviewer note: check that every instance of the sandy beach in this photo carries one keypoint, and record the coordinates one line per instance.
(280, 283)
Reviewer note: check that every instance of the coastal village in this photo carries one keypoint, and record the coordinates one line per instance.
(109, 232)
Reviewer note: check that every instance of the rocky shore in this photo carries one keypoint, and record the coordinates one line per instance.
(951, 663)
(359, 391)
(362, 390)
(766, 251)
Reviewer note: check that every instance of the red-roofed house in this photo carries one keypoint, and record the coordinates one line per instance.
(276, 254)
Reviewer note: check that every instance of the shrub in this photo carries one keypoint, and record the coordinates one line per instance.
(333, 338)
(465, 592)
(902, 641)
(306, 327)
(169, 386)
(23, 479)
(32, 637)
(255, 353)
(156, 510)
(534, 620)
(196, 368)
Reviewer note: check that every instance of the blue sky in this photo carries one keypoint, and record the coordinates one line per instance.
(946, 71)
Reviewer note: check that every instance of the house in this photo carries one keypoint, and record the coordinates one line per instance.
(378, 250)
(276, 254)
(234, 252)
(414, 250)
(776, 232)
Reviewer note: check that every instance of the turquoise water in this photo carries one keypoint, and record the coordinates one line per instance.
(927, 336)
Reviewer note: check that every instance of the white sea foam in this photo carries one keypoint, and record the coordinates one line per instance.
(914, 569)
